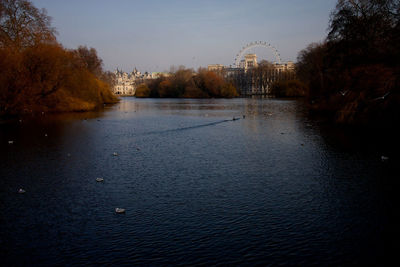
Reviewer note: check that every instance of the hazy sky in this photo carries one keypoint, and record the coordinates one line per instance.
(152, 35)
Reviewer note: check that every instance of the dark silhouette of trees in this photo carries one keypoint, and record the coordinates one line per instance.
(288, 88)
(354, 76)
(311, 68)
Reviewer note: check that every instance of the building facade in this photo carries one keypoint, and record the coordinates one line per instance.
(126, 83)
(253, 78)
(249, 62)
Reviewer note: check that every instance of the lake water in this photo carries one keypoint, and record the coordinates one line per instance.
(273, 188)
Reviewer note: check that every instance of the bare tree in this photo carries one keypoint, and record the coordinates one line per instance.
(23, 25)
(90, 60)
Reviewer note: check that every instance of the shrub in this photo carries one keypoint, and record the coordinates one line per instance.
(142, 91)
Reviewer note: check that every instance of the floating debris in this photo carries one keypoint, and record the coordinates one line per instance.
(384, 158)
(100, 179)
(21, 191)
(119, 210)
(244, 116)
(10, 142)
(115, 154)
(302, 144)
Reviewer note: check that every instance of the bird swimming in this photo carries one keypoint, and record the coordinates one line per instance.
(119, 210)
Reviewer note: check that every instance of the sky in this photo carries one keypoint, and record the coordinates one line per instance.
(153, 35)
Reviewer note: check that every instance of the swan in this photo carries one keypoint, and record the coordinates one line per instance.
(384, 158)
(100, 179)
(21, 191)
(115, 154)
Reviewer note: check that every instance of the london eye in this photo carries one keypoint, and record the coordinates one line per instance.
(256, 44)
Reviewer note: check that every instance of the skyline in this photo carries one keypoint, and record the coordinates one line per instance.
(154, 35)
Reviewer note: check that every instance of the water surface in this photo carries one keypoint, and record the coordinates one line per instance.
(271, 188)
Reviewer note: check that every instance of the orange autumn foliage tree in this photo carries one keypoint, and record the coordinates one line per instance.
(185, 83)
(37, 74)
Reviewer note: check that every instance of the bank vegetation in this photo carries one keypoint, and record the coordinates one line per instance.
(185, 83)
(37, 74)
(353, 77)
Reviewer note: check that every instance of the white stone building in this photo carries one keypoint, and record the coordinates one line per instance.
(126, 83)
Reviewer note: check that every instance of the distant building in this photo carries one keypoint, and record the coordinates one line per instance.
(250, 61)
(215, 67)
(289, 66)
(250, 80)
(156, 75)
(126, 83)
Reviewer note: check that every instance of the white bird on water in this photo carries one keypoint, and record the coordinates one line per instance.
(100, 179)
(21, 191)
(10, 142)
(119, 210)
(115, 154)
(384, 158)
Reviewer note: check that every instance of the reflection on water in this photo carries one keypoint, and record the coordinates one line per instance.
(270, 187)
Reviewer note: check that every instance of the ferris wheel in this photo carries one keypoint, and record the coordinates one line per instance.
(253, 45)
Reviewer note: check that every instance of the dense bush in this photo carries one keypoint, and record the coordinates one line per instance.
(290, 88)
(142, 90)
